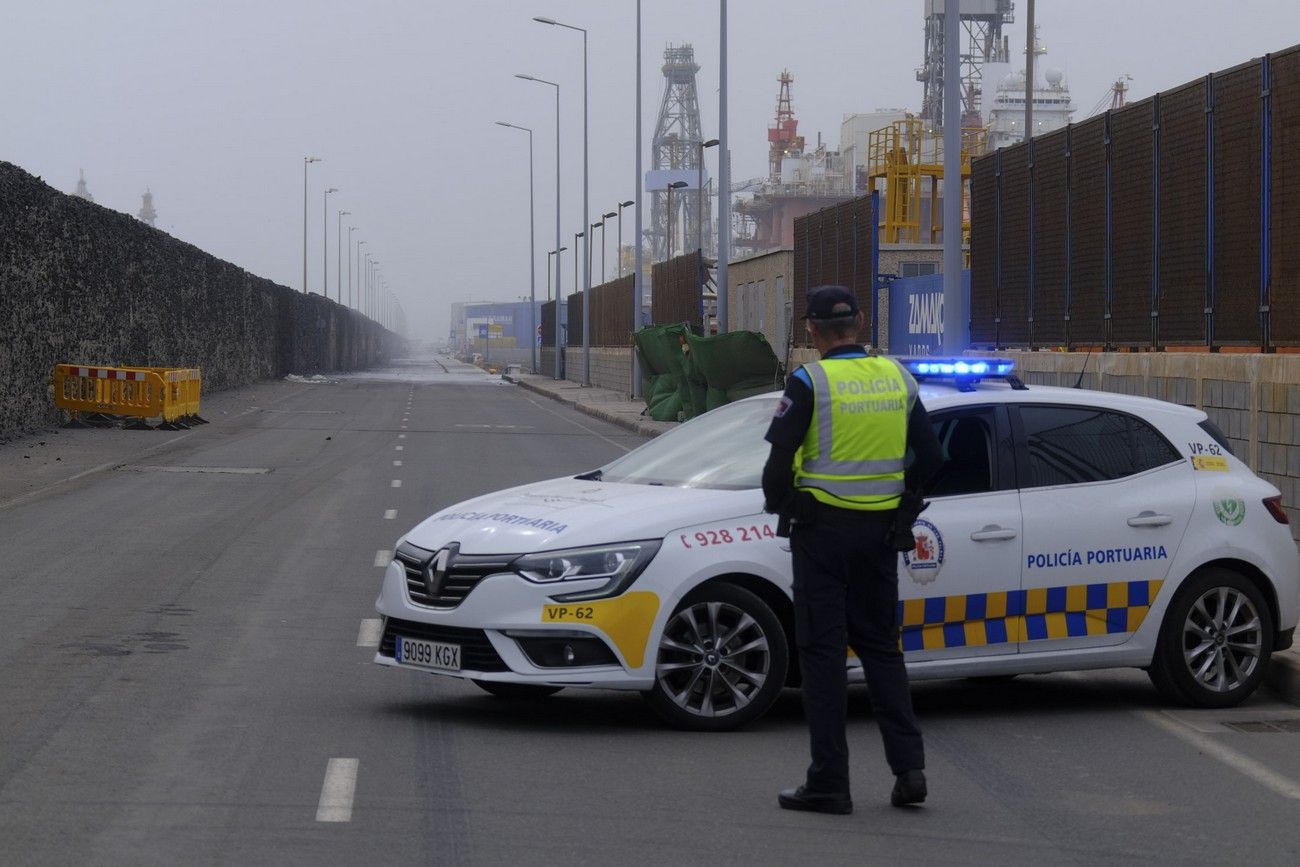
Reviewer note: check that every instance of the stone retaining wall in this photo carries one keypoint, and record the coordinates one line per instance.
(83, 284)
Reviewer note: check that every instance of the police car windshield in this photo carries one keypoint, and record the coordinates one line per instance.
(723, 450)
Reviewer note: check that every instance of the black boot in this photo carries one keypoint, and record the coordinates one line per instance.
(801, 798)
(908, 789)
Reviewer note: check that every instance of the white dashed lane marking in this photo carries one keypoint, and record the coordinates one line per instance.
(398, 448)
(397, 483)
(337, 791)
(401, 436)
(397, 463)
(390, 514)
(370, 632)
(383, 557)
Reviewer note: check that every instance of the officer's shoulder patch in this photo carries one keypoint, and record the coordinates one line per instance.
(783, 407)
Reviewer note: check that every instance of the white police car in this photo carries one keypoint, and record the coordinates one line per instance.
(1069, 529)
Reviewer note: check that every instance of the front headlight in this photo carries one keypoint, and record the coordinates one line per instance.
(618, 564)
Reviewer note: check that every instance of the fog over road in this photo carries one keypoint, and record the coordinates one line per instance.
(186, 640)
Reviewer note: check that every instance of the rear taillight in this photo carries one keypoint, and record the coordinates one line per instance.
(1274, 506)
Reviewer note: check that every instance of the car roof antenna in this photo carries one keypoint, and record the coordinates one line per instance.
(1078, 383)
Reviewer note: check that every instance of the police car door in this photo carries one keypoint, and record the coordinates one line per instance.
(1106, 500)
(955, 584)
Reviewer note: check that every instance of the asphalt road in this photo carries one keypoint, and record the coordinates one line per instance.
(183, 680)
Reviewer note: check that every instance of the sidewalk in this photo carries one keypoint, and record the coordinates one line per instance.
(1283, 676)
(603, 403)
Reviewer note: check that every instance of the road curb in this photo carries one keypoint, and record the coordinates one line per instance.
(1283, 676)
(636, 424)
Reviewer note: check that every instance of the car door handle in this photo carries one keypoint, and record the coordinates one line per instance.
(992, 533)
(1149, 519)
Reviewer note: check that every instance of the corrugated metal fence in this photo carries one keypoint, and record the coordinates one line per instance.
(678, 290)
(1169, 223)
(836, 245)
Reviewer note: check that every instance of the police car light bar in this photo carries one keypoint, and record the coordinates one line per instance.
(965, 371)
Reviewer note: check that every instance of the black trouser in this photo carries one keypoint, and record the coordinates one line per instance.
(846, 590)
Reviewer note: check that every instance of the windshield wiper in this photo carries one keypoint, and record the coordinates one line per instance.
(593, 476)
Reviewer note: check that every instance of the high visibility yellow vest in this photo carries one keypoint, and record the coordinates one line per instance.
(852, 455)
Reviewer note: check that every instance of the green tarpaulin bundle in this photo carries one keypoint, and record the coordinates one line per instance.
(686, 374)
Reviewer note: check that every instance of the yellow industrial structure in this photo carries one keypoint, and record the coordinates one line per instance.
(905, 162)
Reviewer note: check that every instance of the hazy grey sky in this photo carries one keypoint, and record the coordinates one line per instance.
(214, 103)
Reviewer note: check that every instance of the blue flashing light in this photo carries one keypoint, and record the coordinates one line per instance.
(962, 369)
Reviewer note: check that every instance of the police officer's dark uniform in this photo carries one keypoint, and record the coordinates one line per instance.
(840, 437)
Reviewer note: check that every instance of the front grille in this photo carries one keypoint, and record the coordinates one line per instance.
(476, 650)
(462, 574)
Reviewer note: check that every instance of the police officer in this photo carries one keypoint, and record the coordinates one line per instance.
(836, 474)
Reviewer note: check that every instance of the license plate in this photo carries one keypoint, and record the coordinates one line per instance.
(427, 654)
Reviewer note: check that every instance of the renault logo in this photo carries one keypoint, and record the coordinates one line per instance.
(436, 571)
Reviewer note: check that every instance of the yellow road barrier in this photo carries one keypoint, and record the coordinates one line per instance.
(169, 394)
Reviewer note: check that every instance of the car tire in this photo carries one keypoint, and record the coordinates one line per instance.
(1215, 641)
(721, 661)
(517, 691)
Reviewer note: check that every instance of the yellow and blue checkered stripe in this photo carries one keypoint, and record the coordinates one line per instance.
(1036, 614)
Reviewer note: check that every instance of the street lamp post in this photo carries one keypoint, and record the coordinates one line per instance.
(365, 287)
(586, 283)
(557, 210)
(603, 219)
(594, 226)
(675, 185)
(306, 161)
(338, 266)
(637, 250)
(532, 252)
(724, 173)
(549, 254)
(360, 244)
(351, 229)
(619, 246)
(699, 193)
(577, 236)
(325, 241)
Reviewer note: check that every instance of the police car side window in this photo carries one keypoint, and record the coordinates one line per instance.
(967, 442)
(1073, 445)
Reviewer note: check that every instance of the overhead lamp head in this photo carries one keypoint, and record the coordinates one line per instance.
(629, 203)
(540, 20)
(610, 214)
(677, 185)
(331, 190)
(710, 143)
(311, 159)
(524, 77)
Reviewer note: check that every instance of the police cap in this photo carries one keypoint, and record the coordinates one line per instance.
(830, 302)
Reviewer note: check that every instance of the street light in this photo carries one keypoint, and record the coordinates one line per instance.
(351, 229)
(576, 237)
(359, 283)
(699, 189)
(675, 185)
(364, 292)
(306, 161)
(586, 283)
(603, 218)
(557, 209)
(325, 241)
(594, 226)
(338, 266)
(549, 254)
(532, 251)
(621, 205)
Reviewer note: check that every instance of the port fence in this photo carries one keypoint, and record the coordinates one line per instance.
(1169, 223)
(838, 245)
